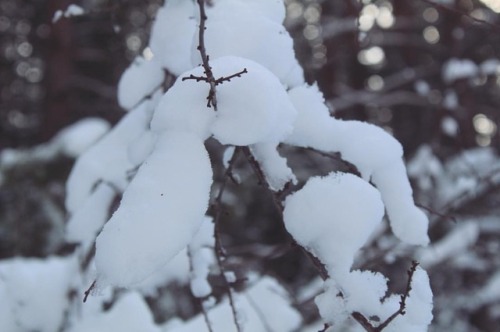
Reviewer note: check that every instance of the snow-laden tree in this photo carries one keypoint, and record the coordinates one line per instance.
(239, 86)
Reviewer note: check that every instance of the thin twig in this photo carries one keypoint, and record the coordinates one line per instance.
(219, 249)
(209, 75)
(212, 99)
(87, 292)
(440, 215)
(402, 303)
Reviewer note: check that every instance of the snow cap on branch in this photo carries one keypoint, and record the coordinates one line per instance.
(252, 37)
(274, 10)
(375, 153)
(160, 211)
(172, 35)
(333, 217)
(252, 108)
(138, 81)
(107, 160)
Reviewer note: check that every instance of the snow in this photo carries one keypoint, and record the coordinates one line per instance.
(449, 126)
(172, 34)
(58, 14)
(201, 250)
(184, 107)
(78, 137)
(107, 160)
(408, 222)
(160, 211)
(457, 69)
(325, 217)
(87, 221)
(450, 100)
(34, 293)
(266, 113)
(129, 314)
(176, 270)
(265, 307)
(274, 166)
(490, 67)
(375, 153)
(363, 291)
(454, 243)
(271, 9)
(424, 167)
(227, 156)
(252, 37)
(141, 148)
(418, 306)
(72, 10)
(139, 81)
(422, 87)
(490, 292)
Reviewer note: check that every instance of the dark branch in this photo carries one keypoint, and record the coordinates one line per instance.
(220, 253)
(402, 303)
(223, 79)
(209, 75)
(197, 78)
(88, 291)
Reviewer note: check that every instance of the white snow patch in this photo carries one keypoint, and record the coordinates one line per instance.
(455, 242)
(252, 37)
(139, 81)
(86, 222)
(129, 314)
(184, 107)
(271, 9)
(375, 153)
(263, 307)
(160, 211)
(253, 108)
(490, 67)
(72, 10)
(172, 34)
(274, 166)
(201, 250)
(28, 285)
(78, 137)
(456, 69)
(326, 217)
(107, 160)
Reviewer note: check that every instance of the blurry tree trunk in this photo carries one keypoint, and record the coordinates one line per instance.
(59, 70)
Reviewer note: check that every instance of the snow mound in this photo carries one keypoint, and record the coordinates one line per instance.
(138, 81)
(107, 160)
(160, 211)
(171, 35)
(252, 108)
(251, 37)
(333, 217)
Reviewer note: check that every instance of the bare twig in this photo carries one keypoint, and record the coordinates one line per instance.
(87, 292)
(404, 296)
(209, 75)
(220, 253)
(436, 213)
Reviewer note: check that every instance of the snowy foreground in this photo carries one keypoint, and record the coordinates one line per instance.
(155, 160)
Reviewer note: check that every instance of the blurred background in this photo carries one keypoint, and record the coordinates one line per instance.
(428, 71)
